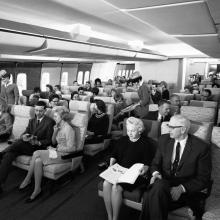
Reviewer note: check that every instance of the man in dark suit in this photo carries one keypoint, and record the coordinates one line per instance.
(37, 136)
(163, 114)
(180, 169)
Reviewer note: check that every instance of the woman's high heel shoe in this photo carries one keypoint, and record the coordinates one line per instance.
(24, 186)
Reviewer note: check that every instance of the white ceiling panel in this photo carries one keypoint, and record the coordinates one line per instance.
(214, 7)
(184, 19)
(209, 44)
(128, 4)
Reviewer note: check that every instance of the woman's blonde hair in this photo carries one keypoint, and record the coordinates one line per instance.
(64, 113)
(136, 122)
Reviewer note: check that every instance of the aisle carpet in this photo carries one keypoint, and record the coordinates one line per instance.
(72, 198)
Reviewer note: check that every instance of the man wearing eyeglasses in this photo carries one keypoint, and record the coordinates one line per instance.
(180, 170)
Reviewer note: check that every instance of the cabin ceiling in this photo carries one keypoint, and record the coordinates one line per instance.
(173, 28)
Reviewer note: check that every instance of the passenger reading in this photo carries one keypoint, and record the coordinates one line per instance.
(118, 174)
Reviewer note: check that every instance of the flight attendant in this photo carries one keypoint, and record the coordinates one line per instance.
(144, 94)
(9, 91)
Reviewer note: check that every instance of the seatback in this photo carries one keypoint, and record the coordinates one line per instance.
(218, 121)
(203, 130)
(215, 154)
(63, 103)
(22, 114)
(80, 121)
(205, 104)
(79, 106)
(130, 97)
(105, 99)
(184, 96)
(199, 114)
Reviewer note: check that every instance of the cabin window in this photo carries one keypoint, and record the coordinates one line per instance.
(21, 82)
(84, 71)
(86, 77)
(45, 79)
(64, 79)
(80, 77)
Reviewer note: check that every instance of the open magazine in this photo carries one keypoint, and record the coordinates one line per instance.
(118, 174)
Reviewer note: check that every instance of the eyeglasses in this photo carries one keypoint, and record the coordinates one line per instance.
(173, 127)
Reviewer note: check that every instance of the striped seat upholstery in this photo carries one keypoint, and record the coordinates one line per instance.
(21, 114)
(205, 104)
(79, 106)
(199, 114)
(213, 202)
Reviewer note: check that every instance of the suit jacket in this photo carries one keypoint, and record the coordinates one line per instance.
(154, 116)
(194, 169)
(43, 131)
(10, 93)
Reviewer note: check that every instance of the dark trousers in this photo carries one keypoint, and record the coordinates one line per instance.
(11, 152)
(158, 202)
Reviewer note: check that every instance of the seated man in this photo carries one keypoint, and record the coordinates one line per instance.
(81, 90)
(163, 114)
(206, 95)
(75, 95)
(54, 100)
(180, 170)
(34, 100)
(37, 136)
(175, 104)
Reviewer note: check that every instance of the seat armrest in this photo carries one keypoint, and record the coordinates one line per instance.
(72, 155)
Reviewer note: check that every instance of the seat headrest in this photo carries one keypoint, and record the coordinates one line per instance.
(22, 111)
(80, 119)
(75, 105)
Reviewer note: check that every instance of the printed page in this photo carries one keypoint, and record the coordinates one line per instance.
(113, 173)
(131, 174)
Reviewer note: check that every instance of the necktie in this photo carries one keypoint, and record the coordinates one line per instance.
(176, 161)
(161, 119)
(38, 122)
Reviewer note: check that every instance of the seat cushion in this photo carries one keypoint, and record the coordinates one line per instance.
(212, 209)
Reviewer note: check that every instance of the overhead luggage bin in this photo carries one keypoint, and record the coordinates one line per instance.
(19, 43)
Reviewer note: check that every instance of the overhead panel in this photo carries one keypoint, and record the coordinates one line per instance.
(179, 19)
(128, 4)
(18, 43)
(210, 45)
(214, 7)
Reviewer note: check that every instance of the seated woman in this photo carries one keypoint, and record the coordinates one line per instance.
(165, 91)
(131, 149)
(6, 123)
(98, 124)
(36, 91)
(64, 137)
(75, 95)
